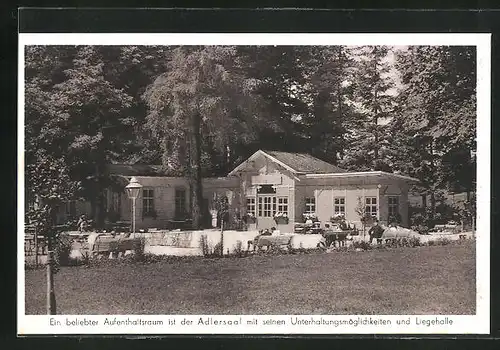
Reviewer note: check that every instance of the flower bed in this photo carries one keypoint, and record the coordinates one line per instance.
(310, 216)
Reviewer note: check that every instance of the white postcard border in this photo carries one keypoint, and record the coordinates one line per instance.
(474, 324)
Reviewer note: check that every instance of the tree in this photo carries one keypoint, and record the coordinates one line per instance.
(47, 174)
(330, 96)
(86, 121)
(436, 118)
(202, 96)
(374, 101)
(281, 75)
(95, 119)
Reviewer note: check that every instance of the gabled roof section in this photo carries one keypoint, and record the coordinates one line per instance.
(304, 163)
(135, 170)
(297, 163)
(366, 174)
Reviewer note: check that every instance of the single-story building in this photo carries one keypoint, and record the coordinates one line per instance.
(267, 183)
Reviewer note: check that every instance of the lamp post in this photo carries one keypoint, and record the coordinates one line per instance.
(133, 190)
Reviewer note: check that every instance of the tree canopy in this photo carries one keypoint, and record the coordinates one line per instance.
(201, 110)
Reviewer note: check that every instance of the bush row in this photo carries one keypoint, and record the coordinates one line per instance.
(62, 251)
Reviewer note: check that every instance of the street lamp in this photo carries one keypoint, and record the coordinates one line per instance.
(133, 190)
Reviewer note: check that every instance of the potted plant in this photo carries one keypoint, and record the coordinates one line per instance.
(310, 216)
(250, 218)
(337, 218)
(281, 218)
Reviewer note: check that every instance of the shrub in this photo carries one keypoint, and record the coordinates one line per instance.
(414, 242)
(217, 250)
(63, 245)
(278, 250)
(30, 265)
(238, 249)
(443, 241)
(205, 249)
(422, 229)
(361, 245)
(139, 249)
(391, 243)
(343, 249)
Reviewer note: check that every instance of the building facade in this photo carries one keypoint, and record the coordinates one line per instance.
(269, 189)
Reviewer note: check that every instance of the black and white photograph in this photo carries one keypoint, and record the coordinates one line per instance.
(232, 181)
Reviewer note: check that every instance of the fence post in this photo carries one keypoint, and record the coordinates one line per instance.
(222, 238)
(51, 297)
(36, 247)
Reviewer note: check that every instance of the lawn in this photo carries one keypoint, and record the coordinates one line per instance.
(423, 280)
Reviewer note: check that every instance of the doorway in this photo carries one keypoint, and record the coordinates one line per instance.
(266, 208)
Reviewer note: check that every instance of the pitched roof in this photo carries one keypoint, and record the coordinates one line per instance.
(305, 163)
(135, 170)
(298, 163)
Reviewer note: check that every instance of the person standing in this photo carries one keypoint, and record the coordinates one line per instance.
(82, 223)
(376, 231)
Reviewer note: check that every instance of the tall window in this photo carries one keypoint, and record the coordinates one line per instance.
(310, 205)
(371, 206)
(70, 209)
(251, 206)
(283, 205)
(148, 202)
(393, 205)
(116, 204)
(180, 202)
(339, 206)
(267, 206)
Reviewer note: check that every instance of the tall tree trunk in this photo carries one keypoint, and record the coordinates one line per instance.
(375, 122)
(433, 207)
(195, 172)
(340, 150)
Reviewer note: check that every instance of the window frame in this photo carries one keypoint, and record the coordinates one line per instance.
(392, 206)
(310, 202)
(251, 206)
(372, 203)
(339, 205)
(284, 205)
(266, 206)
(148, 210)
(179, 199)
(116, 202)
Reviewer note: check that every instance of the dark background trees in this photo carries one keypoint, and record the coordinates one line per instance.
(201, 110)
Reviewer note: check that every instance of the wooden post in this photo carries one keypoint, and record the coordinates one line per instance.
(51, 297)
(222, 237)
(36, 247)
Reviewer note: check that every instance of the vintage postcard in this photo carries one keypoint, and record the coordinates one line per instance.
(254, 184)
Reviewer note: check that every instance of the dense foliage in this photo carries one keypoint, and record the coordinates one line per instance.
(201, 110)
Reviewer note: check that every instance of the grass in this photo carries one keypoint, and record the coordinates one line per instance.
(424, 280)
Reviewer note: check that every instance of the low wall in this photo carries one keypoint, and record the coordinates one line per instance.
(305, 241)
(189, 242)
